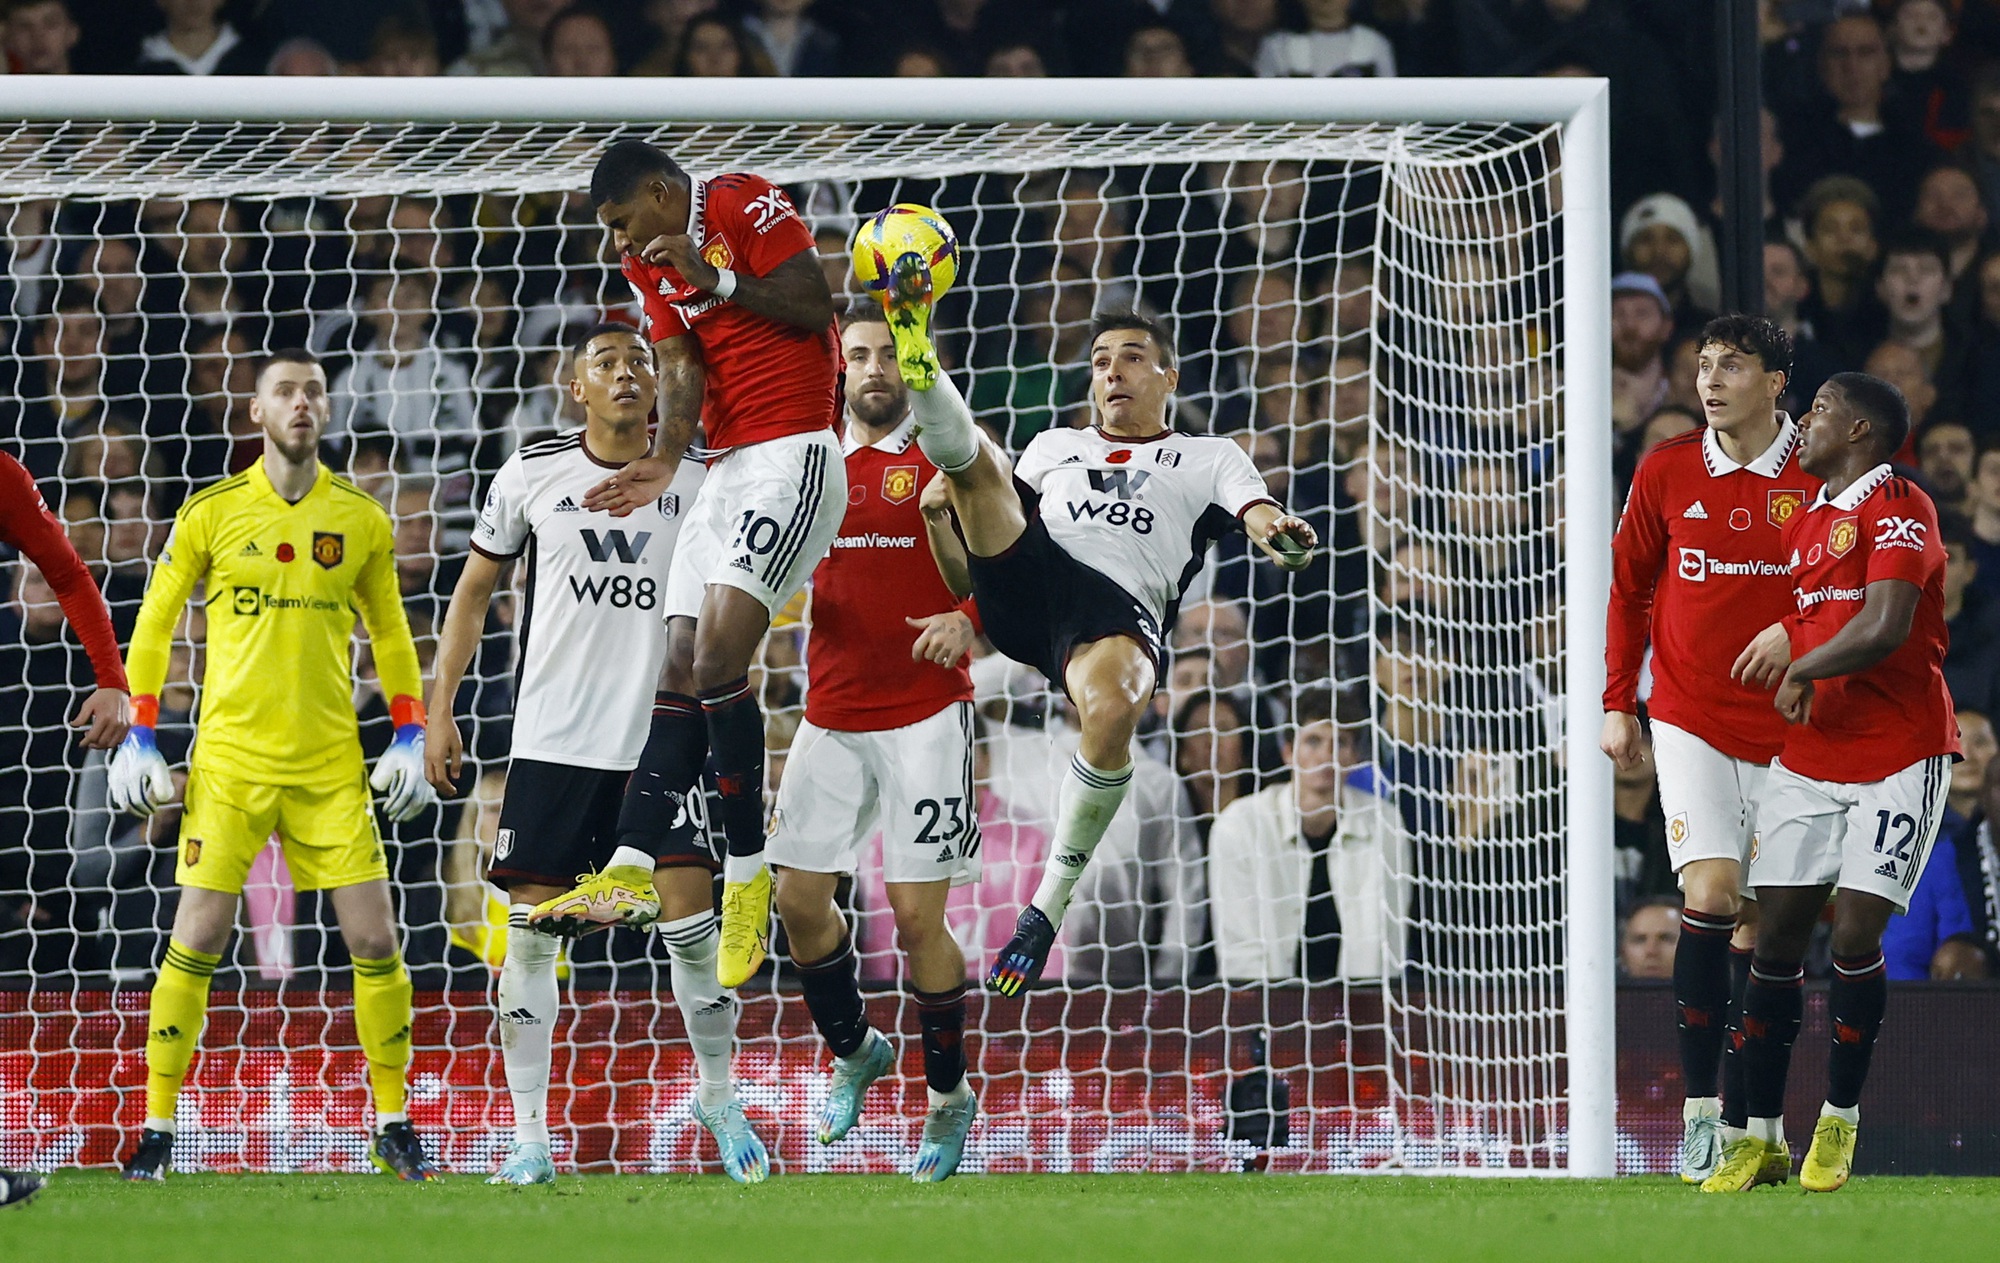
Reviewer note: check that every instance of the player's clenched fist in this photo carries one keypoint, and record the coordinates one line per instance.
(944, 638)
(1764, 660)
(677, 251)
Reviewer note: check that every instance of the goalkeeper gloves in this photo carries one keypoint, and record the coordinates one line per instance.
(399, 773)
(138, 780)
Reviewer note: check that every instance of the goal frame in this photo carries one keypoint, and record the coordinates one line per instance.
(1579, 107)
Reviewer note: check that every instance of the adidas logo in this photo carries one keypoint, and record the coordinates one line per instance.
(1696, 513)
(520, 1017)
(741, 563)
(1888, 870)
(1072, 460)
(167, 1033)
(567, 505)
(946, 855)
(250, 550)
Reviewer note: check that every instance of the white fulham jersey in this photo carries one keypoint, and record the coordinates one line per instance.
(1141, 511)
(591, 637)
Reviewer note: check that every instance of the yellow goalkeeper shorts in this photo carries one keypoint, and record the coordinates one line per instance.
(327, 829)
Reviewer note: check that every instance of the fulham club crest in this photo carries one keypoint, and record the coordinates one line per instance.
(899, 483)
(670, 504)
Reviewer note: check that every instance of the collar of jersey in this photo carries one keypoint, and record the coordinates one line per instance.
(1769, 464)
(1860, 489)
(1167, 433)
(895, 442)
(697, 205)
(321, 476)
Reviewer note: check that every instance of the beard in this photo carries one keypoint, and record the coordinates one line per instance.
(879, 409)
(298, 451)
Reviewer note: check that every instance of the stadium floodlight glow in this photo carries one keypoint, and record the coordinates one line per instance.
(1475, 214)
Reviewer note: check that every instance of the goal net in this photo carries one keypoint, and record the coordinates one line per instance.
(1381, 312)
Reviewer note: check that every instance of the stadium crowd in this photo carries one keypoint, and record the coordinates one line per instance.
(132, 329)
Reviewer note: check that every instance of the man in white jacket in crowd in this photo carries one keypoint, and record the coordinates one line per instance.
(1309, 878)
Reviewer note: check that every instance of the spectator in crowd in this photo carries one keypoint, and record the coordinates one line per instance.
(1983, 386)
(917, 60)
(40, 35)
(403, 46)
(1938, 910)
(1647, 941)
(405, 385)
(1985, 502)
(1156, 51)
(198, 41)
(1660, 237)
(1238, 30)
(107, 269)
(63, 394)
(1977, 848)
(1854, 130)
(1641, 322)
(1640, 865)
(1914, 288)
(1214, 751)
(964, 33)
(713, 47)
(1332, 45)
(797, 46)
(1984, 149)
(1972, 616)
(1838, 215)
(668, 20)
(1902, 366)
(1309, 878)
(577, 43)
(301, 56)
(1017, 60)
(1787, 284)
(1949, 206)
(1946, 453)
(518, 50)
(1925, 79)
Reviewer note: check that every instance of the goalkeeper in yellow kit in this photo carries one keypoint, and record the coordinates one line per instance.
(288, 554)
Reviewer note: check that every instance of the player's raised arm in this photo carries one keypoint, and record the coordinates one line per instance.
(793, 293)
(399, 773)
(25, 522)
(139, 781)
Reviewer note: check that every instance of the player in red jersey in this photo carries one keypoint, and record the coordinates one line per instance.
(1854, 801)
(884, 744)
(27, 524)
(1698, 568)
(738, 310)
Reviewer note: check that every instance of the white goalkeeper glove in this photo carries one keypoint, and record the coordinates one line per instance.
(399, 776)
(138, 778)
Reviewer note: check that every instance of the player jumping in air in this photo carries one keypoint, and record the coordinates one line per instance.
(1140, 500)
(1697, 570)
(1854, 801)
(739, 313)
(883, 743)
(592, 600)
(287, 553)
(105, 716)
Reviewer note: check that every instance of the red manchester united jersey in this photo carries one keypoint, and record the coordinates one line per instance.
(27, 524)
(1872, 724)
(765, 378)
(1698, 567)
(859, 673)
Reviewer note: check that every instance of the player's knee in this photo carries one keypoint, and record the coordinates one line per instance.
(804, 910)
(371, 944)
(677, 670)
(919, 929)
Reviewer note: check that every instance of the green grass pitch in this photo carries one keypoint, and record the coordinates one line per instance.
(830, 1219)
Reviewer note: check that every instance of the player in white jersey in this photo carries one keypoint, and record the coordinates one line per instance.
(1079, 556)
(591, 638)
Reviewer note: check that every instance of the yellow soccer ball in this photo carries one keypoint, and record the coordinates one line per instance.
(904, 228)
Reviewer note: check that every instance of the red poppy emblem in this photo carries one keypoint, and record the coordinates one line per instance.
(1119, 457)
(285, 552)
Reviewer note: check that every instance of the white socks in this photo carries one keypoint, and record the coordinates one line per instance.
(631, 857)
(528, 1002)
(1769, 1130)
(1701, 1107)
(1089, 799)
(1850, 1115)
(708, 1010)
(945, 430)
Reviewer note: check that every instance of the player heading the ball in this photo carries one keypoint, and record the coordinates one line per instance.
(738, 311)
(1079, 555)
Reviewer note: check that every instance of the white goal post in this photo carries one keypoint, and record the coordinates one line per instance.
(90, 140)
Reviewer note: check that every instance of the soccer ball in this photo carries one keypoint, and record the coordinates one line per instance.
(904, 228)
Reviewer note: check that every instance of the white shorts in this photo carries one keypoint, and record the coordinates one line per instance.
(764, 517)
(1873, 837)
(1709, 799)
(914, 782)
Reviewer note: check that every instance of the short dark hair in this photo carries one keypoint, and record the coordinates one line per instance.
(601, 329)
(1112, 321)
(1918, 241)
(1753, 335)
(864, 311)
(1791, 247)
(626, 165)
(1887, 412)
(1954, 528)
(287, 355)
(1312, 706)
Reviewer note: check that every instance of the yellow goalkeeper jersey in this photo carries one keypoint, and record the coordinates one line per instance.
(283, 584)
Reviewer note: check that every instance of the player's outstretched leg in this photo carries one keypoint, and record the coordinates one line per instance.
(946, 433)
(528, 1001)
(17, 1188)
(620, 895)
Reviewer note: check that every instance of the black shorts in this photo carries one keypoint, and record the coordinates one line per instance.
(1037, 603)
(558, 822)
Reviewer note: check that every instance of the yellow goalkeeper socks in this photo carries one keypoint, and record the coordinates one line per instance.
(173, 1025)
(382, 1020)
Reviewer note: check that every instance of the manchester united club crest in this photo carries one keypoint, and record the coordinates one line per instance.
(1782, 504)
(190, 851)
(899, 483)
(1840, 539)
(328, 549)
(1677, 830)
(716, 253)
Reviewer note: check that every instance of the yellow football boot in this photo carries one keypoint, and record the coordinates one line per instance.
(746, 929)
(620, 895)
(1831, 1159)
(1748, 1162)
